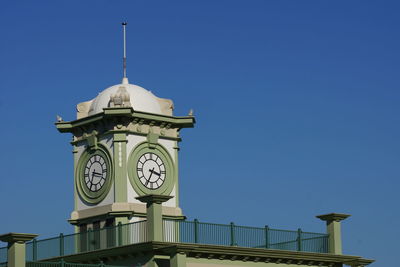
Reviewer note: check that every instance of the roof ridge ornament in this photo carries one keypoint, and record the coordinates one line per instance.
(120, 99)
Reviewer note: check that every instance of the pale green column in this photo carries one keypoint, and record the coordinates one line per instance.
(152, 262)
(76, 159)
(120, 170)
(333, 229)
(16, 248)
(178, 260)
(176, 165)
(154, 215)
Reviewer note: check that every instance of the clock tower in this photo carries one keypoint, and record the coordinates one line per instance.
(125, 145)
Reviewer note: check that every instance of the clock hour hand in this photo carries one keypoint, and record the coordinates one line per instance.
(96, 174)
(156, 173)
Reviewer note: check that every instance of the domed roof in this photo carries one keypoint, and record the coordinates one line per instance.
(132, 95)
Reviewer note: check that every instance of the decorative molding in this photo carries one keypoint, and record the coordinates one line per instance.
(152, 139)
(110, 117)
(330, 217)
(84, 193)
(127, 209)
(213, 253)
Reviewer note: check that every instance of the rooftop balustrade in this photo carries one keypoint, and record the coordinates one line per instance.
(175, 231)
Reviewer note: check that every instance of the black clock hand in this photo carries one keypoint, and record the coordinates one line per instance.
(156, 173)
(151, 173)
(96, 174)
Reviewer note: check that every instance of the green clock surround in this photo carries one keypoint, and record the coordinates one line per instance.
(170, 175)
(93, 197)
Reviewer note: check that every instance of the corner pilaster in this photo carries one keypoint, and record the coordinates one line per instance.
(333, 229)
(120, 169)
(176, 166)
(178, 260)
(154, 215)
(76, 158)
(16, 248)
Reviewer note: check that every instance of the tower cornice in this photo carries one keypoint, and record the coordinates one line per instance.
(129, 113)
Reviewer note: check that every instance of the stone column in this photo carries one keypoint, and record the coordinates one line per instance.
(178, 260)
(16, 248)
(154, 215)
(333, 229)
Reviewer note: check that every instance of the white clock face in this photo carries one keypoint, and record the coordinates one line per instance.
(151, 170)
(95, 173)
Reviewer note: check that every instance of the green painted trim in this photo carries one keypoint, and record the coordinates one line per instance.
(149, 199)
(84, 193)
(101, 136)
(118, 111)
(120, 168)
(176, 122)
(122, 220)
(92, 141)
(102, 217)
(159, 150)
(152, 139)
(119, 136)
(67, 126)
(127, 214)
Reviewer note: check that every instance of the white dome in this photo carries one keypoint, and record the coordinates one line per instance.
(140, 99)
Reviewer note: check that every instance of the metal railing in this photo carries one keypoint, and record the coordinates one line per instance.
(3, 256)
(176, 231)
(243, 236)
(63, 245)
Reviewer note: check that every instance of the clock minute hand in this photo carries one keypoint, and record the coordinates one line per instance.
(156, 173)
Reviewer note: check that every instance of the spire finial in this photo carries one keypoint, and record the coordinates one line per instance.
(125, 79)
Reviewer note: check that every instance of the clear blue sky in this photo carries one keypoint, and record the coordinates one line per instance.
(297, 107)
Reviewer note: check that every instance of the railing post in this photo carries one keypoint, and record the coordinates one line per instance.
(119, 233)
(62, 263)
(34, 250)
(266, 236)
(16, 250)
(101, 264)
(61, 244)
(333, 229)
(232, 226)
(299, 247)
(196, 231)
(88, 239)
(154, 215)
